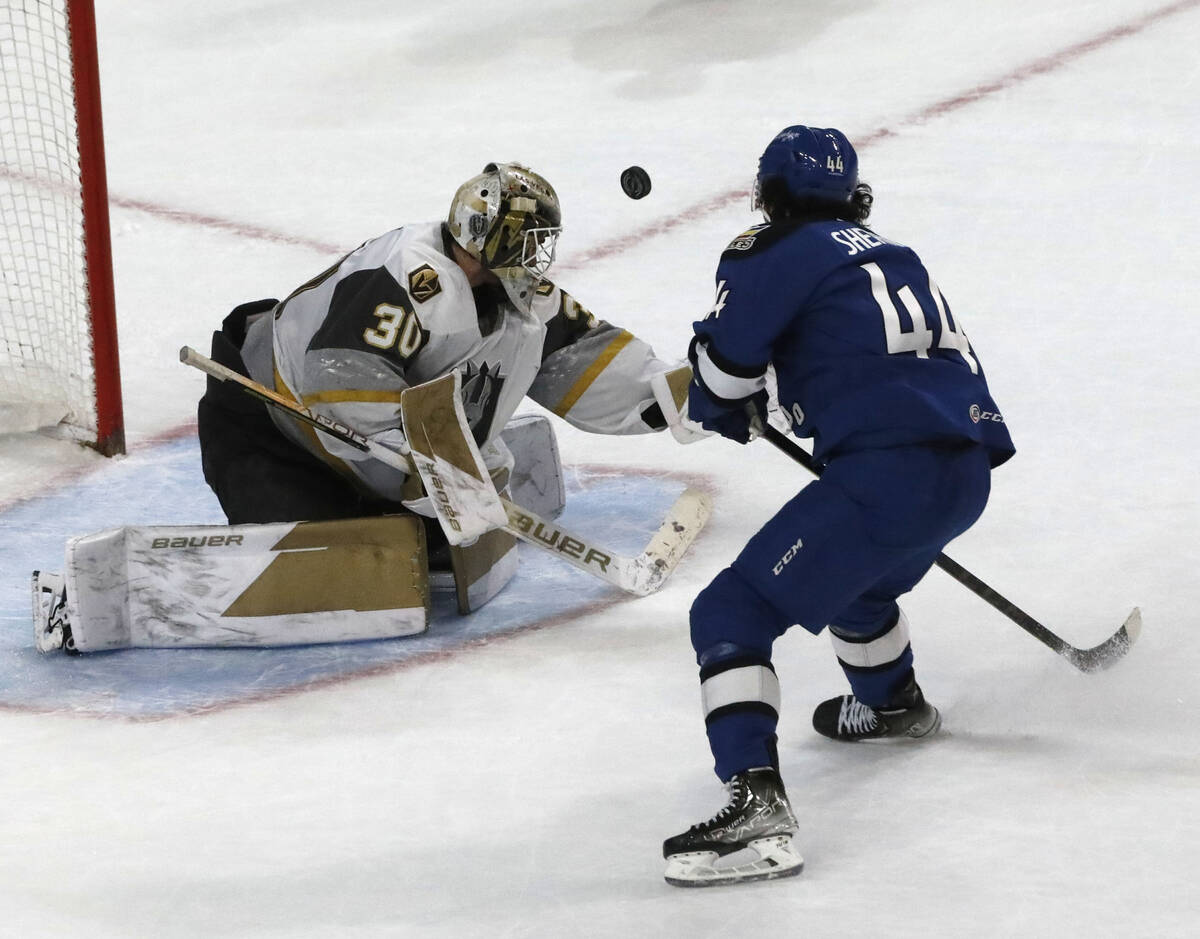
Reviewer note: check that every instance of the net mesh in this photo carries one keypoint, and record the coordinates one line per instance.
(46, 370)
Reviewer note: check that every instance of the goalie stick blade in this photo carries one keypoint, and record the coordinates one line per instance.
(683, 523)
(640, 575)
(1109, 652)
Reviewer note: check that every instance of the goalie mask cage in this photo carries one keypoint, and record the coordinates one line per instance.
(58, 338)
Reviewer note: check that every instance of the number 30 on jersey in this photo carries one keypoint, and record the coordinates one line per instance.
(398, 328)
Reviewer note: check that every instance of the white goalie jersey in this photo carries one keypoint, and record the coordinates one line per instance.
(398, 311)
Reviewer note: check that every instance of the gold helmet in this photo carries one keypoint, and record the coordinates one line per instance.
(508, 219)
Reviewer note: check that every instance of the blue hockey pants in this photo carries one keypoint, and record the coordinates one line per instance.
(838, 555)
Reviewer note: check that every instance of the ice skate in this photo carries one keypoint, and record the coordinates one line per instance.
(749, 839)
(908, 715)
(51, 629)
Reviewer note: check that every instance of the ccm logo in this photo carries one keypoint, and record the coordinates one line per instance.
(977, 415)
(787, 557)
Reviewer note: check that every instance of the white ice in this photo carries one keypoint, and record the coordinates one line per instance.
(1042, 158)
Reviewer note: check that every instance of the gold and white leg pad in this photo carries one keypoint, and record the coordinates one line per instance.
(290, 583)
(763, 859)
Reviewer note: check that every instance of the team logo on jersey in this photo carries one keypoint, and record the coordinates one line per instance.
(544, 289)
(423, 283)
(480, 393)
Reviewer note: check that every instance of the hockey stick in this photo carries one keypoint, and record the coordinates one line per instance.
(1086, 660)
(640, 574)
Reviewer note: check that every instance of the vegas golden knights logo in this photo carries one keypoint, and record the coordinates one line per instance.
(423, 283)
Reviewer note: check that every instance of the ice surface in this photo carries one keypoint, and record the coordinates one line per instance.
(1040, 157)
(163, 485)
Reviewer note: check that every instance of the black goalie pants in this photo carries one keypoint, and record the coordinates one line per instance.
(258, 474)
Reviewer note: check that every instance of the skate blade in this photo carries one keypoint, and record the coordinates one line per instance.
(763, 859)
(917, 731)
(913, 732)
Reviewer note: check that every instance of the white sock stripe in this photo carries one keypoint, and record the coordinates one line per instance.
(751, 683)
(721, 383)
(880, 651)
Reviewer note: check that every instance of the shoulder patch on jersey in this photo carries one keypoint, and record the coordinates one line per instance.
(423, 283)
(745, 241)
(756, 239)
(545, 288)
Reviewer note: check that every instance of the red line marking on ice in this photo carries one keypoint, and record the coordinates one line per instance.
(242, 229)
(699, 210)
(1034, 69)
(82, 471)
(373, 671)
(1044, 65)
(49, 183)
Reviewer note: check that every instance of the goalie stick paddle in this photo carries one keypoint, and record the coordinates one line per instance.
(1086, 660)
(640, 574)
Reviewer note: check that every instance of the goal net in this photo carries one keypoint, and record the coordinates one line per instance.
(58, 350)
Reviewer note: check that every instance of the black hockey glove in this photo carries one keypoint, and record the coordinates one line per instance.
(740, 419)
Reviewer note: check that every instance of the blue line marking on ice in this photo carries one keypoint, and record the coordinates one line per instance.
(163, 485)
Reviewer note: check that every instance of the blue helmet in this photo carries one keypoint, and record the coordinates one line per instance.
(811, 162)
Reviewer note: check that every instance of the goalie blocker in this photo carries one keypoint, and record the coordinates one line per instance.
(279, 584)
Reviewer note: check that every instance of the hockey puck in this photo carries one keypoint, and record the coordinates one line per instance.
(635, 181)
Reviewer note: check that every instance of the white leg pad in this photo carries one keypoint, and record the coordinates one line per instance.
(291, 583)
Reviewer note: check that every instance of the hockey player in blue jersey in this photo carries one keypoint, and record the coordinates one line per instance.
(871, 364)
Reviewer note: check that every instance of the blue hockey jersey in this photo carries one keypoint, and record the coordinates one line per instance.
(865, 349)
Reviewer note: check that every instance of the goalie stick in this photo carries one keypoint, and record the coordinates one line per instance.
(1086, 660)
(640, 574)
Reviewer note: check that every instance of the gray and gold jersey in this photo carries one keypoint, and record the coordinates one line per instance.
(398, 311)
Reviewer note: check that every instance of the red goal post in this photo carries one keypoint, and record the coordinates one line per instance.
(59, 364)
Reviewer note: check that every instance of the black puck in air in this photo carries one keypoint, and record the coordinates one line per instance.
(635, 181)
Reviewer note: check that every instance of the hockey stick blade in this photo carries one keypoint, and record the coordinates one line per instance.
(1086, 660)
(678, 530)
(1110, 651)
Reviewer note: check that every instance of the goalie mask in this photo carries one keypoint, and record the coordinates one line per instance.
(508, 219)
